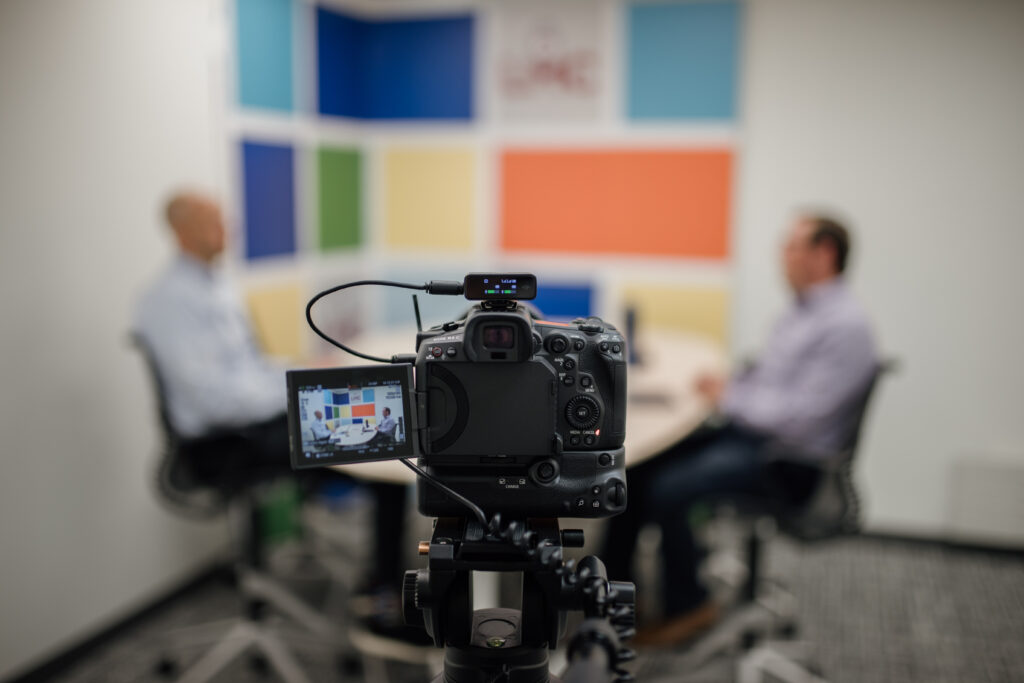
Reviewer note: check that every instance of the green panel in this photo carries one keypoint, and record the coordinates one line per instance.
(340, 192)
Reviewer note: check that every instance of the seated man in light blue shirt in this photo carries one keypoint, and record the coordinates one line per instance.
(217, 378)
(803, 393)
(321, 432)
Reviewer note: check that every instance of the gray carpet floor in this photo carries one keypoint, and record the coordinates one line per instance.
(874, 610)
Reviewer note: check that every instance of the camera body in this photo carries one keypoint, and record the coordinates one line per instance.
(529, 415)
(525, 416)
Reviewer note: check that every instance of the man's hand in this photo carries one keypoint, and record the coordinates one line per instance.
(711, 387)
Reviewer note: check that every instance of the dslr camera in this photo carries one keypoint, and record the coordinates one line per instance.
(524, 415)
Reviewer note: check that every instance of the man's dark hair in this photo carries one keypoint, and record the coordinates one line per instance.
(829, 231)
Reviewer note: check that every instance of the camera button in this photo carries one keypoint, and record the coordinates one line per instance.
(436, 352)
(581, 502)
(568, 380)
(585, 381)
(575, 441)
(603, 346)
(568, 364)
(589, 440)
(595, 503)
(596, 490)
(604, 460)
(579, 344)
(451, 351)
(616, 348)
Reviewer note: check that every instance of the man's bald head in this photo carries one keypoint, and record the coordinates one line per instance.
(198, 225)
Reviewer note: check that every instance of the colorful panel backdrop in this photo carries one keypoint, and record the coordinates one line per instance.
(471, 170)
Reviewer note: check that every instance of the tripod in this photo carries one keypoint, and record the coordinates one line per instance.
(508, 645)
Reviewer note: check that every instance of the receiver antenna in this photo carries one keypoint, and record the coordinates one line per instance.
(416, 307)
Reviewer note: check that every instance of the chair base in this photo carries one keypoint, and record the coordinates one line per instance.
(787, 661)
(245, 635)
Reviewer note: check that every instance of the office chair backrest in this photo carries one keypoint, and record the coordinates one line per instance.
(177, 483)
(853, 440)
(834, 508)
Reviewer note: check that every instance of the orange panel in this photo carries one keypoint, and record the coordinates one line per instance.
(672, 203)
(365, 410)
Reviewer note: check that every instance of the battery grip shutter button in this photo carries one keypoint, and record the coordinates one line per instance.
(617, 494)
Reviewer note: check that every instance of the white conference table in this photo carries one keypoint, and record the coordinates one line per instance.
(662, 403)
(352, 436)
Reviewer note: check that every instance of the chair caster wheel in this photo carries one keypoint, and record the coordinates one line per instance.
(166, 668)
(259, 664)
(349, 665)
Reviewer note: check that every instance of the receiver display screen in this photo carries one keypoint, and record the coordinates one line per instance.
(482, 286)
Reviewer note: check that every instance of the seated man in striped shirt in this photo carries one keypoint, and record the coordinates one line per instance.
(803, 392)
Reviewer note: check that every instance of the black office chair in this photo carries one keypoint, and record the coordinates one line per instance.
(824, 505)
(192, 481)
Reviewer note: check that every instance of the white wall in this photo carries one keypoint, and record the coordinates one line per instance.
(103, 107)
(908, 116)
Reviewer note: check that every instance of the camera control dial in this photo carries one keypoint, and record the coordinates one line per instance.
(582, 412)
(558, 344)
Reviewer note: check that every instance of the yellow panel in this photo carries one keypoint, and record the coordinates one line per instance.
(371, 421)
(429, 196)
(278, 319)
(346, 411)
(330, 424)
(702, 310)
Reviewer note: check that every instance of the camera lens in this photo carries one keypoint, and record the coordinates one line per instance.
(498, 337)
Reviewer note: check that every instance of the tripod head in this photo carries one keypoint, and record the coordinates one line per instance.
(506, 644)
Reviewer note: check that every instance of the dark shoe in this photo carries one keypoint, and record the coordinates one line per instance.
(679, 629)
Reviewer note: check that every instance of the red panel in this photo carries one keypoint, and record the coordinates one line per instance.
(660, 202)
(364, 410)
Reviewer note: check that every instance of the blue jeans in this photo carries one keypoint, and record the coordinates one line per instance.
(663, 490)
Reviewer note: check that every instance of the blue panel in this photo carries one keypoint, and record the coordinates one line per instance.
(683, 60)
(328, 397)
(339, 41)
(264, 53)
(340, 398)
(367, 395)
(407, 69)
(560, 302)
(357, 420)
(269, 199)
